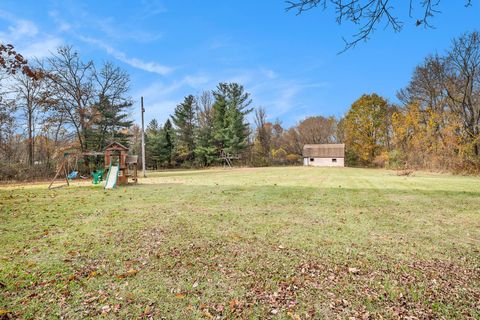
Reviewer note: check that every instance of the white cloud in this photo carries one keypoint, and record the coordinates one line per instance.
(152, 8)
(113, 31)
(161, 98)
(270, 74)
(132, 61)
(111, 28)
(196, 81)
(27, 38)
(62, 25)
(41, 49)
(140, 64)
(280, 96)
(268, 89)
(160, 110)
(23, 28)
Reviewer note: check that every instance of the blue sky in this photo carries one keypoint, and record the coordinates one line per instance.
(288, 63)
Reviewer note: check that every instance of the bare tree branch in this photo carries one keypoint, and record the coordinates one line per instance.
(368, 14)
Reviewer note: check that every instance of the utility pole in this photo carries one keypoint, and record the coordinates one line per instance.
(143, 141)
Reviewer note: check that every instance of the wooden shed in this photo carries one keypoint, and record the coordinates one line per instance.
(324, 155)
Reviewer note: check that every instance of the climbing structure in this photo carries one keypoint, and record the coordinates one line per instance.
(227, 159)
(116, 155)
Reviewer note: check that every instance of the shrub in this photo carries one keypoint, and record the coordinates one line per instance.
(396, 159)
(381, 160)
(351, 158)
(279, 156)
(293, 158)
(23, 172)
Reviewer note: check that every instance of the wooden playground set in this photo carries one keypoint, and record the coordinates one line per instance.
(119, 166)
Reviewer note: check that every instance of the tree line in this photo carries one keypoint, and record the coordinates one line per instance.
(65, 101)
(56, 103)
(435, 126)
(204, 129)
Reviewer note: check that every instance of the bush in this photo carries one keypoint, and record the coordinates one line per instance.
(293, 159)
(351, 158)
(381, 160)
(396, 159)
(279, 156)
(23, 172)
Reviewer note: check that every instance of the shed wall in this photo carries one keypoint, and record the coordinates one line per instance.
(324, 162)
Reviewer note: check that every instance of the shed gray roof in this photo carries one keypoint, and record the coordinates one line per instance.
(324, 150)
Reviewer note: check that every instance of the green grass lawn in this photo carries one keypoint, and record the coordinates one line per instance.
(285, 243)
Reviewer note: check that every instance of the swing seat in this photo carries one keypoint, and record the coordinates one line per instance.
(72, 175)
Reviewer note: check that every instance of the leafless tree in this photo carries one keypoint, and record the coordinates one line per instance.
(11, 63)
(204, 104)
(111, 87)
(71, 88)
(113, 83)
(28, 99)
(277, 134)
(447, 87)
(369, 14)
(462, 83)
(263, 136)
(427, 86)
(317, 130)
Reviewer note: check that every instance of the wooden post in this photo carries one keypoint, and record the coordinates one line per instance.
(143, 141)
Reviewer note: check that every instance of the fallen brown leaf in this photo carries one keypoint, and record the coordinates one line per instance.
(4, 312)
(129, 273)
(207, 314)
(234, 304)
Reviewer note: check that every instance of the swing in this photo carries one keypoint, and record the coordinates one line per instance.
(74, 174)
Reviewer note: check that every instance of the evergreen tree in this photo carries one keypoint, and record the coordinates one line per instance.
(152, 144)
(167, 144)
(184, 121)
(219, 133)
(153, 128)
(109, 123)
(231, 131)
(205, 151)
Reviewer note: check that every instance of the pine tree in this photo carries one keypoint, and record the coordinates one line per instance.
(167, 144)
(231, 130)
(219, 118)
(205, 151)
(152, 144)
(109, 123)
(184, 121)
